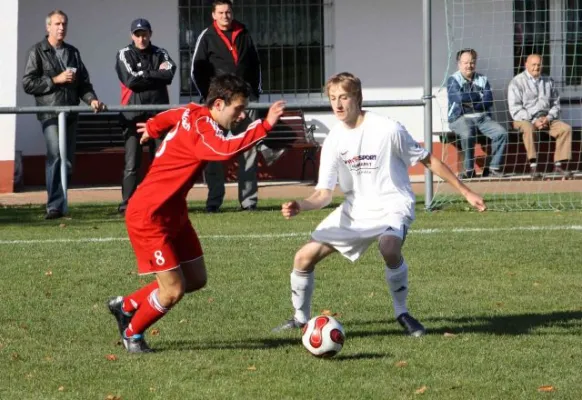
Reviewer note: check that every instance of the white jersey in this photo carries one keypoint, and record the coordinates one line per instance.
(371, 165)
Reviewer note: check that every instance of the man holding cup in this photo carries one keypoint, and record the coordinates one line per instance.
(56, 76)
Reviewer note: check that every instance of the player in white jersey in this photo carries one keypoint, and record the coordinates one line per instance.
(369, 155)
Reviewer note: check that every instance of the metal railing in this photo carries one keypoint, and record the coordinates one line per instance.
(425, 102)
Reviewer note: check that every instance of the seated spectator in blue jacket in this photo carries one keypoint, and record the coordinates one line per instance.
(469, 113)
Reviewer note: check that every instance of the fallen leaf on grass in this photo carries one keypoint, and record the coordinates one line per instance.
(252, 368)
(48, 359)
(61, 388)
(401, 364)
(62, 225)
(152, 389)
(536, 283)
(14, 356)
(112, 397)
(499, 304)
(29, 376)
(449, 334)
(155, 332)
(111, 357)
(546, 388)
(48, 273)
(420, 390)
(182, 321)
(210, 300)
(329, 313)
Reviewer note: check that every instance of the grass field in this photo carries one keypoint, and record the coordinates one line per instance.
(500, 294)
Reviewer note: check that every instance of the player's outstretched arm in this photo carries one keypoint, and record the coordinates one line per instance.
(319, 199)
(441, 170)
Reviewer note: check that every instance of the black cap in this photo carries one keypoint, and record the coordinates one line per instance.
(140, 24)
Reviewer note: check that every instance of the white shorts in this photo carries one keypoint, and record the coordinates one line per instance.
(352, 237)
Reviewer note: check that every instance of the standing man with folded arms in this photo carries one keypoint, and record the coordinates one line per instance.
(145, 71)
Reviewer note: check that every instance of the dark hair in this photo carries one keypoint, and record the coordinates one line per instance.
(227, 87)
(463, 51)
(220, 3)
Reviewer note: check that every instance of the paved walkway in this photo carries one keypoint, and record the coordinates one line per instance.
(295, 190)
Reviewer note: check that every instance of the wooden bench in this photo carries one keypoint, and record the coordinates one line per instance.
(97, 132)
(292, 132)
(100, 132)
(515, 155)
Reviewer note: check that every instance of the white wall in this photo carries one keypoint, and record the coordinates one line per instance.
(98, 29)
(381, 42)
(8, 44)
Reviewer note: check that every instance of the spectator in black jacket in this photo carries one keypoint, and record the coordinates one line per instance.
(56, 76)
(227, 47)
(145, 71)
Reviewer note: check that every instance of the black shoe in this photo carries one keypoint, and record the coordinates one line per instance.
(115, 308)
(411, 325)
(467, 175)
(249, 208)
(535, 174)
(121, 209)
(290, 324)
(136, 344)
(564, 173)
(492, 173)
(53, 214)
(212, 209)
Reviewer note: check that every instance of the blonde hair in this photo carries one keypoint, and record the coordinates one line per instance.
(349, 82)
(56, 12)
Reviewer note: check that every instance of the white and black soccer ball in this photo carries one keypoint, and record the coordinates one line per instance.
(323, 336)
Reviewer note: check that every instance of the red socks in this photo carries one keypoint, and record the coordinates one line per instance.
(134, 300)
(148, 313)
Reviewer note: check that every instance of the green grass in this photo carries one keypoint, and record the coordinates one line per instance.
(512, 299)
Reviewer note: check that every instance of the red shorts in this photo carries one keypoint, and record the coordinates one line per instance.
(157, 250)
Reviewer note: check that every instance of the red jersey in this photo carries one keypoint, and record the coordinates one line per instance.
(193, 139)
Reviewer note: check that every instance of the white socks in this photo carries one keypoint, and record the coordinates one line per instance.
(302, 284)
(397, 280)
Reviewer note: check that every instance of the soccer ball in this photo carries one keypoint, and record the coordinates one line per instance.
(323, 336)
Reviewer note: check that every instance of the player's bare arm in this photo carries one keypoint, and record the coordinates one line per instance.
(441, 170)
(319, 199)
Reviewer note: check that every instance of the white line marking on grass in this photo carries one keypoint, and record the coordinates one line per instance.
(305, 234)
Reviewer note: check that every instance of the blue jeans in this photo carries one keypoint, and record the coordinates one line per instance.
(467, 130)
(54, 186)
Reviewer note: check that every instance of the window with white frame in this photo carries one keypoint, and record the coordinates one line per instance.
(552, 28)
(289, 35)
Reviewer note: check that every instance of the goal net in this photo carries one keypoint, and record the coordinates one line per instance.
(504, 33)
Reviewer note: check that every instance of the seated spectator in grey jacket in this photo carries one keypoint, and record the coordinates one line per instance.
(469, 113)
(534, 105)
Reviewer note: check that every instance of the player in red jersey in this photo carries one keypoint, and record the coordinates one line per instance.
(163, 239)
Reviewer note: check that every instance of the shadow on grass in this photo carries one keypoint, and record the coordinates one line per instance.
(258, 344)
(570, 322)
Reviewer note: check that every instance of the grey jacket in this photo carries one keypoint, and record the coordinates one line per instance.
(528, 100)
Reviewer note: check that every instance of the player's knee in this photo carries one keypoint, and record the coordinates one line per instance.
(196, 284)
(171, 295)
(390, 250)
(304, 261)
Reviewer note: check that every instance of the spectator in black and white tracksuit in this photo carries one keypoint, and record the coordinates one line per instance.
(144, 71)
(227, 47)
